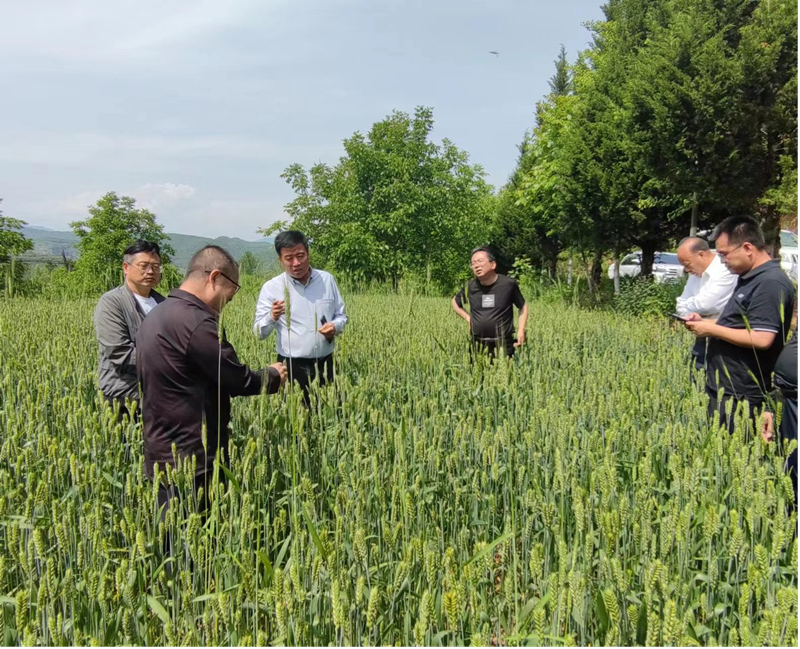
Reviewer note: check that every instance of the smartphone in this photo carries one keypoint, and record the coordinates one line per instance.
(679, 317)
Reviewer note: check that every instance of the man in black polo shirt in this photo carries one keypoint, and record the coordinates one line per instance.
(491, 301)
(747, 338)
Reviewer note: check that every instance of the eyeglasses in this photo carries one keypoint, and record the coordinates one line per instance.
(208, 272)
(724, 255)
(143, 267)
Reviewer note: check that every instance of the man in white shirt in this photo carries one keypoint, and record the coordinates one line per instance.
(708, 289)
(304, 306)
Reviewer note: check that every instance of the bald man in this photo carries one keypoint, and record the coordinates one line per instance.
(708, 289)
(189, 372)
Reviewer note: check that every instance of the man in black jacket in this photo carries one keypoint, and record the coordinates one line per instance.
(189, 372)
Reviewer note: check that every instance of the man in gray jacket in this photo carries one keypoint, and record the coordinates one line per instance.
(116, 320)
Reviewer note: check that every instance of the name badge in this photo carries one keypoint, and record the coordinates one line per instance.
(487, 301)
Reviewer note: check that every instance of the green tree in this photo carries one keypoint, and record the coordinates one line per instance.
(113, 224)
(12, 243)
(249, 264)
(396, 206)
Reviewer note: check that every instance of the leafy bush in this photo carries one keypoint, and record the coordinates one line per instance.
(643, 296)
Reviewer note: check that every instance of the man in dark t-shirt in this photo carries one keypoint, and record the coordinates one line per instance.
(748, 336)
(491, 300)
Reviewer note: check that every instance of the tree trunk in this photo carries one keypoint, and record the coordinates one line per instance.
(597, 267)
(771, 224)
(693, 226)
(569, 272)
(553, 266)
(648, 256)
(616, 275)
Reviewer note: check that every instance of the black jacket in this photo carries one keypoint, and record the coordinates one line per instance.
(188, 375)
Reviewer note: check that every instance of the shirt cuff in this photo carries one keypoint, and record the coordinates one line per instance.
(272, 380)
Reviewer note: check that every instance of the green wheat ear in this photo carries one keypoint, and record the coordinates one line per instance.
(288, 305)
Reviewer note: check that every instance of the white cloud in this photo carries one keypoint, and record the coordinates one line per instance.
(100, 30)
(151, 196)
(71, 148)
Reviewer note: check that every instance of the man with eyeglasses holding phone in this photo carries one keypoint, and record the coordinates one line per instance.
(117, 318)
(744, 342)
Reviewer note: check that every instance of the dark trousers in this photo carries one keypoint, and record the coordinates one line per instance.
(699, 353)
(491, 347)
(123, 409)
(170, 496)
(305, 370)
(729, 403)
(788, 431)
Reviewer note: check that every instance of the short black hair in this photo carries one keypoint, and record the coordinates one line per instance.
(696, 244)
(290, 239)
(741, 230)
(488, 252)
(210, 258)
(140, 245)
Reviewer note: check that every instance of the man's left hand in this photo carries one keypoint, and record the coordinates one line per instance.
(520, 339)
(328, 330)
(701, 328)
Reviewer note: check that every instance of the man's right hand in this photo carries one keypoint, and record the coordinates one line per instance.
(282, 371)
(278, 309)
(767, 426)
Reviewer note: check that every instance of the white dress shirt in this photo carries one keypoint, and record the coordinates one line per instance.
(709, 293)
(307, 306)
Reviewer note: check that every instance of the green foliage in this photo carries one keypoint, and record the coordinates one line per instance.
(575, 495)
(644, 296)
(674, 104)
(12, 244)
(396, 205)
(113, 224)
(249, 264)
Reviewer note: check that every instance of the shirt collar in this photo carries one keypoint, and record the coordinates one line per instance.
(768, 265)
(714, 266)
(311, 277)
(189, 297)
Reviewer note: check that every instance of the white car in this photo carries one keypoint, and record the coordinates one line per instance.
(789, 253)
(666, 267)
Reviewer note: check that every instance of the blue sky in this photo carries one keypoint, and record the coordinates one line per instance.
(195, 108)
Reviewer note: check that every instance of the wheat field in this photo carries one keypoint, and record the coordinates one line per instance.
(573, 496)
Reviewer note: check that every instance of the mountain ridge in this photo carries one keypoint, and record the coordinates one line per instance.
(50, 245)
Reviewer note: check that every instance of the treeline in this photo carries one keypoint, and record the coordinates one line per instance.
(681, 112)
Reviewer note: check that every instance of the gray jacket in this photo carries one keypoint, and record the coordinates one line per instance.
(117, 317)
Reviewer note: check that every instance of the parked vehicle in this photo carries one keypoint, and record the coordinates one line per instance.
(666, 267)
(789, 253)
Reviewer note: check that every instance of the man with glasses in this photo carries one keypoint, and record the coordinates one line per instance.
(314, 315)
(491, 300)
(707, 290)
(189, 372)
(117, 318)
(745, 341)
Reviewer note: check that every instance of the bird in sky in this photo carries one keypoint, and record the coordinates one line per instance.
(493, 52)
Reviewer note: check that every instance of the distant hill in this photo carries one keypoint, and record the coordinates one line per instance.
(48, 245)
